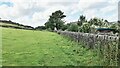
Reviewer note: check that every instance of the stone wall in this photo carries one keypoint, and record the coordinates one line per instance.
(106, 46)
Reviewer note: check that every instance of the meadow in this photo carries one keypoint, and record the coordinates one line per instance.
(8, 24)
(43, 48)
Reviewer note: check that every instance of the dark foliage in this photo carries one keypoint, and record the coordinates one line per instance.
(40, 28)
(17, 25)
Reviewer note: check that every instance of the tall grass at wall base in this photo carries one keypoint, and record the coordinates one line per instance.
(107, 52)
(105, 46)
(86, 51)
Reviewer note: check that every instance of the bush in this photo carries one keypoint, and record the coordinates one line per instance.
(85, 28)
(73, 27)
(40, 28)
(64, 27)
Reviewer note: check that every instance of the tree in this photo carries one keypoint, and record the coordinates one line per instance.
(96, 21)
(119, 27)
(85, 28)
(81, 20)
(64, 27)
(73, 27)
(114, 26)
(105, 23)
(40, 28)
(55, 20)
(91, 22)
(49, 25)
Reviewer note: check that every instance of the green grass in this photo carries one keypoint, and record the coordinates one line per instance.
(42, 48)
(7, 24)
(0, 47)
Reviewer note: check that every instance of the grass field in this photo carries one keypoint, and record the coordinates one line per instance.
(7, 24)
(42, 48)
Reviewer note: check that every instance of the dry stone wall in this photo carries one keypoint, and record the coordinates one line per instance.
(106, 46)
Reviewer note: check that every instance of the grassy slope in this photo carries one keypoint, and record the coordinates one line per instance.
(7, 24)
(27, 47)
(0, 47)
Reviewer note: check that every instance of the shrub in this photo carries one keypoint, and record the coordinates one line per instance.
(40, 28)
(85, 28)
(73, 27)
(64, 27)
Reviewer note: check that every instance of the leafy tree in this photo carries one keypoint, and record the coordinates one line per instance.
(55, 20)
(65, 27)
(49, 25)
(40, 28)
(96, 21)
(119, 28)
(114, 26)
(85, 28)
(73, 27)
(81, 20)
(106, 21)
(91, 22)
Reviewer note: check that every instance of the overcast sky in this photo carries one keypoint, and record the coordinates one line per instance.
(36, 12)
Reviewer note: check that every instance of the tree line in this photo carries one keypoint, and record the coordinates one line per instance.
(56, 22)
(18, 26)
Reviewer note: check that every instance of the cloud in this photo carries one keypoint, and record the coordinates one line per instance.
(37, 12)
(99, 8)
(90, 13)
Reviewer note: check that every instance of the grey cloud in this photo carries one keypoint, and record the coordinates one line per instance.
(98, 5)
(62, 3)
(119, 11)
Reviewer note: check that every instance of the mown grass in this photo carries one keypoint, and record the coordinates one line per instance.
(42, 48)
